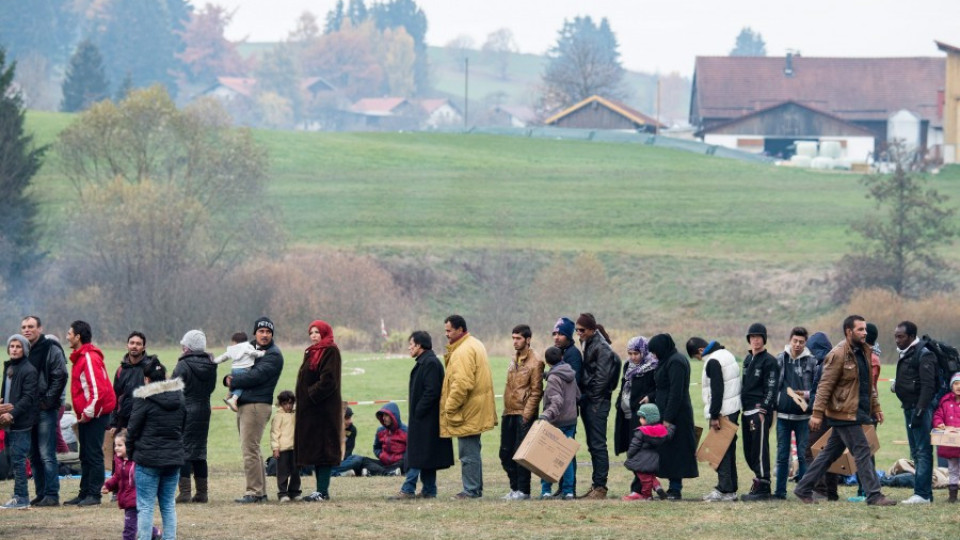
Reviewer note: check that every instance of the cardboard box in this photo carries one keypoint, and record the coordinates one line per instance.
(845, 464)
(546, 451)
(715, 445)
(945, 437)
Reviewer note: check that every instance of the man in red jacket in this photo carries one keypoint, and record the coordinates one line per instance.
(93, 401)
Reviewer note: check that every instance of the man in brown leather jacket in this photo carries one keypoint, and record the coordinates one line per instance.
(521, 404)
(846, 397)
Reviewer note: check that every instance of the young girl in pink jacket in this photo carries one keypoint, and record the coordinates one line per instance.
(122, 483)
(948, 415)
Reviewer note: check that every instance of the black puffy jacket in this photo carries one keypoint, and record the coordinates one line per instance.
(155, 431)
(199, 376)
(126, 380)
(601, 369)
(259, 382)
(19, 388)
(48, 359)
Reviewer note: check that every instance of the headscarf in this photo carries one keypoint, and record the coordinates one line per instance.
(662, 346)
(647, 362)
(315, 351)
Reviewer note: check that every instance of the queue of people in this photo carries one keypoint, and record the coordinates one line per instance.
(808, 389)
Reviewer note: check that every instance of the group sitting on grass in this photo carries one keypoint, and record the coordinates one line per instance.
(823, 397)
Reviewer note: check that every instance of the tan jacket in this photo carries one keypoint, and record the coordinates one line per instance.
(838, 393)
(467, 404)
(524, 386)
(281, 430)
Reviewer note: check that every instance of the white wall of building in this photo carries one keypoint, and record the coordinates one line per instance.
(856, 149)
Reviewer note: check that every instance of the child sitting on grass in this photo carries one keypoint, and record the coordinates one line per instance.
(281, 442)
(242, 355)
(123, 483)
(643, 457)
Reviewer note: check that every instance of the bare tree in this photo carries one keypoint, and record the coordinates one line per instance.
(583, 63)
(498, 48)
(459, 48)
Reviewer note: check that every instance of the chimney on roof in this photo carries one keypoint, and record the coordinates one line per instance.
(788, 66)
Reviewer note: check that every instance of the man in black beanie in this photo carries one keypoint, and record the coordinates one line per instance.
(758, 398)
(254, 407)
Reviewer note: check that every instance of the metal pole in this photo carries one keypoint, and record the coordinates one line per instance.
(656, 128)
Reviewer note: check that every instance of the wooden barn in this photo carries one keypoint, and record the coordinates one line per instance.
(597, 112)
(950, 104)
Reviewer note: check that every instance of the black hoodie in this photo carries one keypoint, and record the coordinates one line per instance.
(155, 431)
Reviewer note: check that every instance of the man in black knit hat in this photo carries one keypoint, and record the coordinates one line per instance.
(758, 398)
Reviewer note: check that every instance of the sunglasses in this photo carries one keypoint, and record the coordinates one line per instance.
(581, 330)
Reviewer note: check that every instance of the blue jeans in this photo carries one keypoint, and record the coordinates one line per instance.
(471, 465)
(234, 372)
(351, 462)
(427, 476)
(784, 428)
(568, 482)
(19, 444)
(156, 484)
(921, 451)
(43, 454)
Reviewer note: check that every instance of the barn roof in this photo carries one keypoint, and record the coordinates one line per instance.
(846, 126)
(631, 114)
(377, 106)
(850, 88)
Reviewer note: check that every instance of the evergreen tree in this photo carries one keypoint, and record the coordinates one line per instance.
(143, 37)
(85, 82)
(357, 12)
(334, 19)
(585, 61)
(19, 161)
(44, 27)
(749, 43)
(409, 16)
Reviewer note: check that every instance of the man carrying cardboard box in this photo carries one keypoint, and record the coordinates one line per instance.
(848, 403)
(720, 387)
(521, 401)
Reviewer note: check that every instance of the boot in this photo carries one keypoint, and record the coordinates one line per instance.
(953, 494)
(201, 496)
(184, 496)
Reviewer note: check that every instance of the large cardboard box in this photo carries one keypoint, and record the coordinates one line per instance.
(945, 437)
(546, 451)
(845, 464)
(715, 445)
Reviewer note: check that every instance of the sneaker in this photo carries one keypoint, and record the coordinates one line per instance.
(349, 472)
(661, 493)
(17, 503)
(90, 501)
(512, 496)
(364, 472)
(231, 402)
(634, 496)
(916, 499)
(547, 495)
(316, 496)
(250, 499)
(395, 472)
(880, 500)
(569, 496)
(757, 496)
(35, 500)
(521, 496)
(596, 492)
(45, 502)
(74, 501)
(672, 495)
(402, 496)
(284, 499)
(713, 496)
(463, 495)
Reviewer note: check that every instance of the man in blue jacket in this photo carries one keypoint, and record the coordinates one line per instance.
(794, 404)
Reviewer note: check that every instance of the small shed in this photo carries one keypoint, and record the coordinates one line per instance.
(597, 112)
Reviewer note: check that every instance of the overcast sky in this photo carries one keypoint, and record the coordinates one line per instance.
(662, 35)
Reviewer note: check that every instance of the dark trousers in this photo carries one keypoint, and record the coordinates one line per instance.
(196, 467)
(727, 470)
(594, 414)
(512, 431)
(843, 437)
(91, 456)
(288, 475)
(756, 448)
(375, 467)
(827, 484)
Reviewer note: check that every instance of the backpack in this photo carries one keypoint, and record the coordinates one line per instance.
(948, 362)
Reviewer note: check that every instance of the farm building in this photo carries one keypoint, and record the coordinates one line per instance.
(767, 104)
(597, 112)
(391, 113)
(950, 101)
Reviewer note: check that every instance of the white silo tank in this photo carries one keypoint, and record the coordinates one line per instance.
(904, 126)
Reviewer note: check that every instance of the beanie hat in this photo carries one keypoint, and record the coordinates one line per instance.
(872, 333)
(263, 322)
(194, 340)
(565, 327)
(23, 343)
(757, 329)
(348, 413)
(650, 412)
(955, 378)
(587, 320)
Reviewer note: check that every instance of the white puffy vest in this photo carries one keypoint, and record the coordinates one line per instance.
(731, 383)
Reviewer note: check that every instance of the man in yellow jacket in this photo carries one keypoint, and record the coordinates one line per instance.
(467, 406)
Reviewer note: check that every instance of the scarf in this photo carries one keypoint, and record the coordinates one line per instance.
(647, 362)
(315, 352)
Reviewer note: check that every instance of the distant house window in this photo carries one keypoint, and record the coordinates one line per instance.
(750, 143)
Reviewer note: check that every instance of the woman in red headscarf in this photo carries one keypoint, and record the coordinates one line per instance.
(318, 437)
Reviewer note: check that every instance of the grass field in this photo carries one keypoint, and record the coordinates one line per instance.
(359, 510)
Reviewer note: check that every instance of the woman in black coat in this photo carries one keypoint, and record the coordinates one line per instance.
(199, 375)
(638, 381)
(426, 451)
(678, 456)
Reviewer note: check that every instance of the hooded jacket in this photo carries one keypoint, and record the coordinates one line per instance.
(796, 373)
(643, 456)
(129, 377)
(524, 386)
(123, 482)
(199, 376)
(601, 369)
(48, 359)
(90, 388)
(467, 405)
(561, 396)
(155, 431)
(21, 391)
(390, 443)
